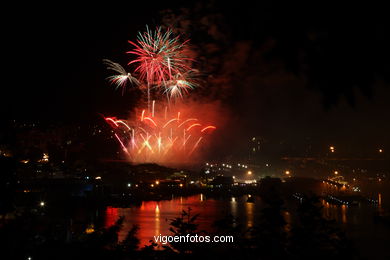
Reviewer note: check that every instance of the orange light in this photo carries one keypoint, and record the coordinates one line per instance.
(181, 184)
(89, 229)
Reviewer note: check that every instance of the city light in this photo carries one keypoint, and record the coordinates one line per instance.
(336, 172)
(90, 229)
(42, 204)
(287, 172)
(332, 149)
(157, 182)
(44, 159)
(249, 172)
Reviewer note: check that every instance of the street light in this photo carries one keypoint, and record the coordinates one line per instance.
(336, 172)
(287, 172)
(249, 172)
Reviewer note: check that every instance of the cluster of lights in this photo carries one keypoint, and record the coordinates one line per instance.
(242, 165)
(373, 201)
(356, 189)
(227, 165)
(223, 165)
(338, 200)
(298, 196)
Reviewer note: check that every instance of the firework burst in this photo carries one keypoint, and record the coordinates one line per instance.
(179, 85)
(122, 78)
(159, 56)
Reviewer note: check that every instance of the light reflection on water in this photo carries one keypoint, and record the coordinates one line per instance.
(336, 212)
(249, 214)
(154, 217)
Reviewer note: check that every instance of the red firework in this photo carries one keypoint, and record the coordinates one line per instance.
(160, 56)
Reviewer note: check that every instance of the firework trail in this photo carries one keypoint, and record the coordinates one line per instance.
(156, 139)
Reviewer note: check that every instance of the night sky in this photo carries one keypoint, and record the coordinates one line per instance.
(292, 72)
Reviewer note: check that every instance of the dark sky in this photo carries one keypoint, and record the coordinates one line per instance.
(309, 71)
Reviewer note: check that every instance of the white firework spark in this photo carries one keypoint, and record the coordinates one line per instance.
(122, 77)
